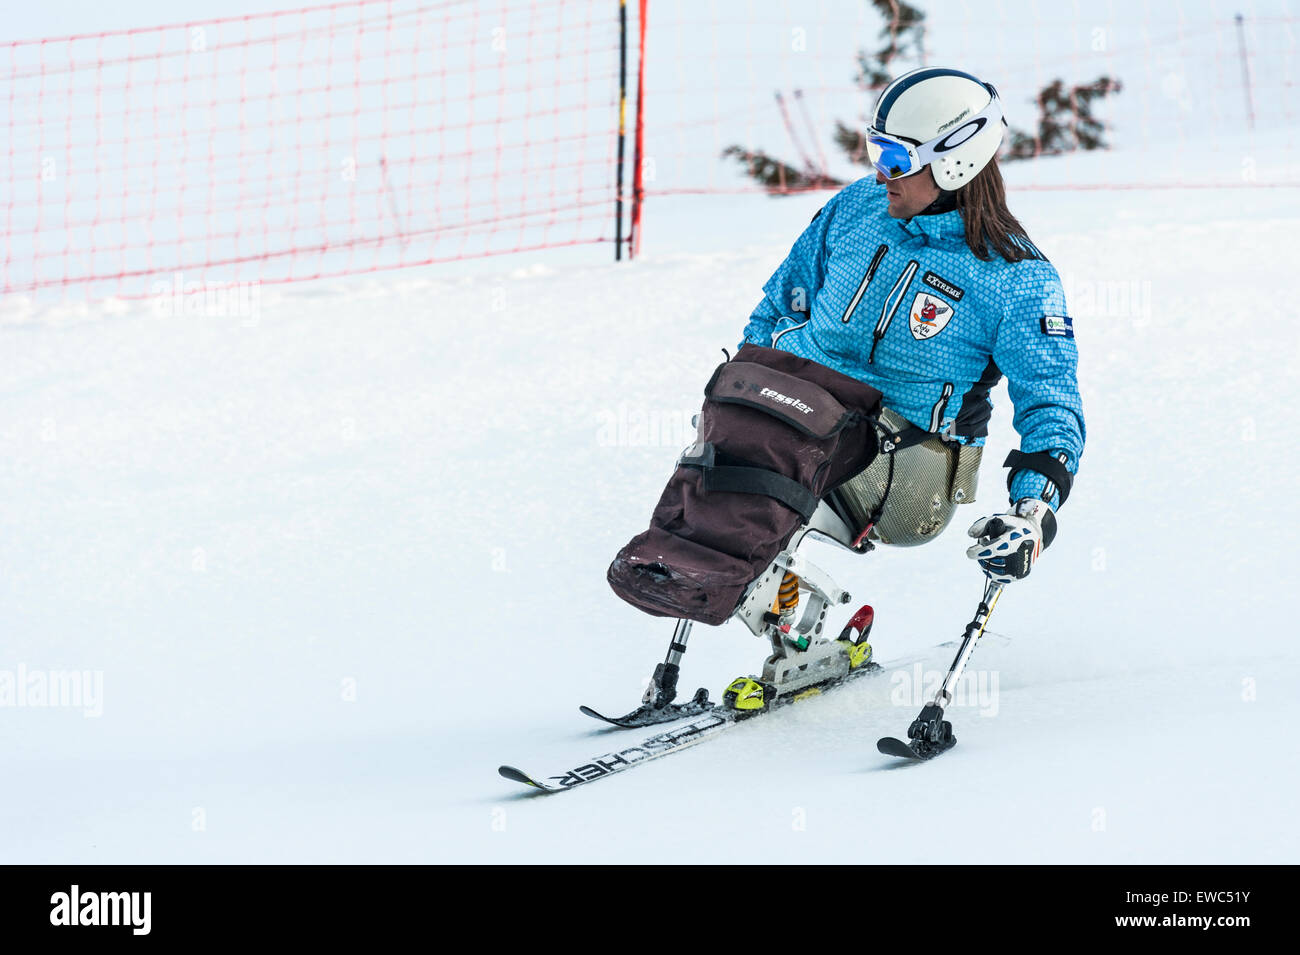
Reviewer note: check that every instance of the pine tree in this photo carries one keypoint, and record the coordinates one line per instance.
(1065, 121)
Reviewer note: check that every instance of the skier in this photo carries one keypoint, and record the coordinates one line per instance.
(785, 432)
(899, 308)
(931, 237)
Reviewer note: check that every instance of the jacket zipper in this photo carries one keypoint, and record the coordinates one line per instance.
(936, 416)
(892, 301)
(866, 280)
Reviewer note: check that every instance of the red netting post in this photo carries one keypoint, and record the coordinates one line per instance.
(622, 126)
(638, 143)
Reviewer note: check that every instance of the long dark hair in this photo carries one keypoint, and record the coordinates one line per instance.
(989, 223)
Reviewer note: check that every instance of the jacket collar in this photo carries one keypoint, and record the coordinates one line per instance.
(946, 226)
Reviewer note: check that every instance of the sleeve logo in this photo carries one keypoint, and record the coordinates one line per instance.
(1058, 326)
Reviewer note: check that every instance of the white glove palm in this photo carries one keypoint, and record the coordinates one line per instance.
(1009, 544)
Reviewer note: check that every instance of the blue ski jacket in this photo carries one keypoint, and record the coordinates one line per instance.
(905, 306)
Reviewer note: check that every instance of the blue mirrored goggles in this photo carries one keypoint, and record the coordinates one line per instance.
(891, 157)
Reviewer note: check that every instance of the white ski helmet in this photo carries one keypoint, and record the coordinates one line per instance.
(941, 118)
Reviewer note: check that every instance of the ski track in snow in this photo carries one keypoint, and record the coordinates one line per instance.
(415, 484)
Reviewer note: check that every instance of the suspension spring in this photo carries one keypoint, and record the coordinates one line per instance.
(787, 597)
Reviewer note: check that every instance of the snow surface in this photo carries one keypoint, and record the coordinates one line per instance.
(338, 560)
(417, 484)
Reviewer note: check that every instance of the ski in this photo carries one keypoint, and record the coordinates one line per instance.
(714, 722)
(598, 767)
(896, 747)
(913, 751)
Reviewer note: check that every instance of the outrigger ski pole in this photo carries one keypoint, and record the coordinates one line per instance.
(657, 704)
(930, 733)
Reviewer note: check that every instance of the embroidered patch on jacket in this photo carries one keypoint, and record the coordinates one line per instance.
(954, 292)
(930, 315)
(1058, 326)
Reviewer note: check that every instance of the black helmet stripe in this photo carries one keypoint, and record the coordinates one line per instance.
(905, 83)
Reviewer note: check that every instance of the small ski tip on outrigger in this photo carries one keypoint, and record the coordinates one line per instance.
(930, 734)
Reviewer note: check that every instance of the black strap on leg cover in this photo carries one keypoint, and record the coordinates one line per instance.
(1044, 464)
(759, 481)
(738, 479)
